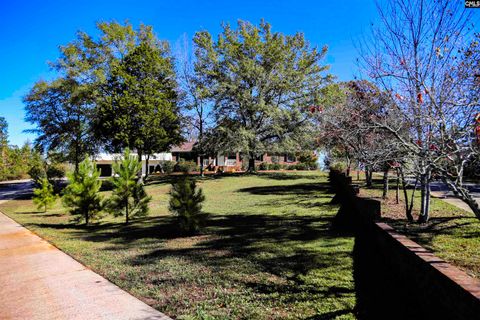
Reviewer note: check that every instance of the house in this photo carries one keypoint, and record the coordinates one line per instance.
(227, 161)
(104, 162)
(185, 152)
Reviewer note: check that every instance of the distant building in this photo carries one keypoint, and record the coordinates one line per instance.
(185, 152)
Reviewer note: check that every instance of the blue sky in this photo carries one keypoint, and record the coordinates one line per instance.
(31, 31)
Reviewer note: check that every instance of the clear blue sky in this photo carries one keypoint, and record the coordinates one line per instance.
(31, 31)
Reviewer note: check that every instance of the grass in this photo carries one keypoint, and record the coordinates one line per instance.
(266, 253)
(452, 233)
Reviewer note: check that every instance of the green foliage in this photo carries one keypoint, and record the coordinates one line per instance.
(44, 196)
(168, 166)
(139, 107)
(82, 194)
(186, 166)
(263, 166)
(128, 196)
(253, 75)
(186, 203)
(61, 110)
(309, 159)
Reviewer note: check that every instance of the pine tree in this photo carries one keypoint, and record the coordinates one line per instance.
(186, 202)
(82, 194)
(129, 197)
(43, 196)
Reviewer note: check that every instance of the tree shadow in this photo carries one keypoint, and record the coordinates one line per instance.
(296, 189)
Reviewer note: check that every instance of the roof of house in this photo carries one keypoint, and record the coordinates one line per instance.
(184, 147)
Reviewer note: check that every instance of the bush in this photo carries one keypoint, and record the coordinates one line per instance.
(275, 166)
(338, 166)
(168, 166)
(263, 166)
(302, 166)
(309, 159)
(186, 203)
(290, 167)
(186, 166)
(43, 196)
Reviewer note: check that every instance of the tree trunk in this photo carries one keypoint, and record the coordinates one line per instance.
(126, 213)
(146, 166)
(425, 198)
(358, 174)
(397, 191)
(139, 175)
(251, 162)
(86, 218)
(368, 176)
(385, 184)
(408, 208)
(201, 166)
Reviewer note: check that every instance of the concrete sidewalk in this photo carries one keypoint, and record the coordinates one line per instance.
(38, 281)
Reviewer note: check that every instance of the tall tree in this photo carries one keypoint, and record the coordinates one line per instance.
(195, 100)
(61, 110)
(260, 83)
(3, 148)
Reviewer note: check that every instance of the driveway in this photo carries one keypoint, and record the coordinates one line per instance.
(441, 190)
(38, 281)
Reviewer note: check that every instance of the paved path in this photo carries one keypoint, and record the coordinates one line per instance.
(38, 281)
(440, 190)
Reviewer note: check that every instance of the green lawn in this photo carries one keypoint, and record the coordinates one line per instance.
(266, 253)
(452, 233)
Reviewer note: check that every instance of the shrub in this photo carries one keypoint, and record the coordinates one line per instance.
(82, 194)
(275, 166)
(301, 166)
(263, 166)
(186, 203)
(309, 159)
(186, 166)
(168, 166)
(338, 166)
(290, 167)
(44, 196)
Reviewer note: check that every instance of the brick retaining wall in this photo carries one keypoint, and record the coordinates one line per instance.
(395, 278)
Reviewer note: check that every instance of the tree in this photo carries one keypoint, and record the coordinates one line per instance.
(3, 147)
(82, 194)
(260, 83)
(417, 54)
(137, 107)
(195, 100)
(44, 196)
(61, 110)
(128, 197)
(186, 202)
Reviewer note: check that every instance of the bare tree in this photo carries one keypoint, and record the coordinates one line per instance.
(195, 100)
(417, 54)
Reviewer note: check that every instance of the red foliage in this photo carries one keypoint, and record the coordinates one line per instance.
(419, 97)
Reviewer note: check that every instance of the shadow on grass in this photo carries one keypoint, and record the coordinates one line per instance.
(296, 258)
(296, 189)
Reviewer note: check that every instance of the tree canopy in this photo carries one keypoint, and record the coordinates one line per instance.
(261, 83)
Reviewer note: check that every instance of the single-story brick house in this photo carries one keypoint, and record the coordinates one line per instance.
(185, 152)
(228, 161)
